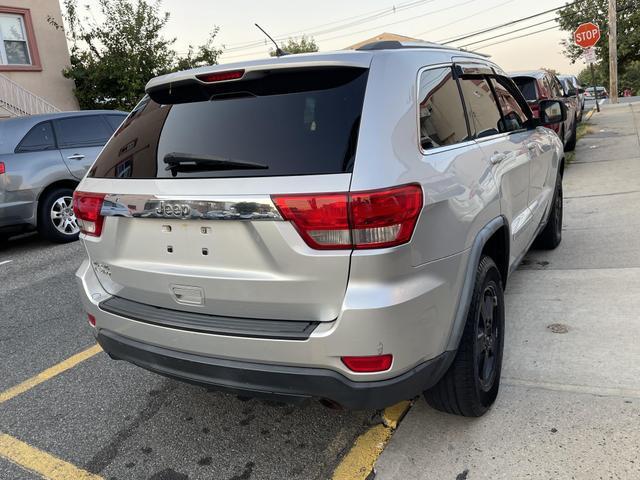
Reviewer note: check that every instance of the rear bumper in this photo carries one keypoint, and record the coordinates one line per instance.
(285, 382)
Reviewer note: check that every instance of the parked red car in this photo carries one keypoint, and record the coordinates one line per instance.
(537, 85)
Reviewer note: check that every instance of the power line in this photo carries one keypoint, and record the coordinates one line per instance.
(508, 33)
(317, 30)
(462, 19)
(512, 22)
(519, 36)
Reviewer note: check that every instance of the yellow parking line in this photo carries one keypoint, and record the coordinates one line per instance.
(49, 373)
(358, 463)
(37, 461)
(590, 113)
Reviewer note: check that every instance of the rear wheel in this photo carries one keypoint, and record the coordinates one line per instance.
(471, 384)
(551, 236)
(56, 220)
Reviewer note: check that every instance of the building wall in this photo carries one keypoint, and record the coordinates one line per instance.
(51, 45)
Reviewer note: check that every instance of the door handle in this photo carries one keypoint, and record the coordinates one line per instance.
(497, 158)
(76, 156)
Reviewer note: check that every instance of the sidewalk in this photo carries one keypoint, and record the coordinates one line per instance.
(569, 405)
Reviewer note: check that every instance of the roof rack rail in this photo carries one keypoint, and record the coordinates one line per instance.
(396, 45)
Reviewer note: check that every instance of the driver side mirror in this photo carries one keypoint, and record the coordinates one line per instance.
(552, 111)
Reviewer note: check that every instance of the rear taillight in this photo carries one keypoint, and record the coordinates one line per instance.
(87, 207)
(2, 169)
(91, 319)
(375, 363)
(535, 109)
(372, 219)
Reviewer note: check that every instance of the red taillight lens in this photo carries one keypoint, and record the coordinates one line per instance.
(91, 319)
(374, 219)
(385, 218)
(2, 170)
(220, 76)
(375, 363)
(535, 109)
(86, 207)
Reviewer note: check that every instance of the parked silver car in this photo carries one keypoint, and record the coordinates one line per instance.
(42, 159)
(334, 225)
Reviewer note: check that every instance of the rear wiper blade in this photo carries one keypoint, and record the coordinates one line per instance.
(187, 162)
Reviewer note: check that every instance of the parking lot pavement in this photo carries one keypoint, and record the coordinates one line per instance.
(120, 422)
(569, 406)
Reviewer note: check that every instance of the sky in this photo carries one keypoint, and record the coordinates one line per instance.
(336, 24)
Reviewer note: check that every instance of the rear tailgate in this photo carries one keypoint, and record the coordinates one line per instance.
(189, 223)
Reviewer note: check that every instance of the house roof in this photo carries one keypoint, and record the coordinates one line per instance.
(385, 36)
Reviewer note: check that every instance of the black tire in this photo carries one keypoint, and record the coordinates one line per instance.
(46, 225)
(471, 384)
(551, 236)
(571, 143)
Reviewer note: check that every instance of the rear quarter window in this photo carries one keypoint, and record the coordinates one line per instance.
(39, 138)
(293, 122)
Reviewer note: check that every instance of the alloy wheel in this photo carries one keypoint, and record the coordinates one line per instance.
(487, 337)
(62, 216)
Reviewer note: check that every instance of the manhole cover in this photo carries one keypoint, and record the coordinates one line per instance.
(558, 328)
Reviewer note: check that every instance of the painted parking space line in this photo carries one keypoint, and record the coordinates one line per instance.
(49, 373)
(5, 262)
(39, 462)
(358, 463)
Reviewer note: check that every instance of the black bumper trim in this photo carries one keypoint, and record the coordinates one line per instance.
(215, 324)
(284, 382)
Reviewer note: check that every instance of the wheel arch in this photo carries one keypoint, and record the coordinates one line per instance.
(492, 240)
(64, 183)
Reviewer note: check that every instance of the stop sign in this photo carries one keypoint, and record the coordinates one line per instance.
(587, 35)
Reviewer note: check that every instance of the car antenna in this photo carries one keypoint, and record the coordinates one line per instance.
(279, 51)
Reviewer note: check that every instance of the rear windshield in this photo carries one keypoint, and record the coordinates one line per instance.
(527, 86)
(287, 122)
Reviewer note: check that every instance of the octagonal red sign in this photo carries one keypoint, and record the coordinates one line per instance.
(587, 35)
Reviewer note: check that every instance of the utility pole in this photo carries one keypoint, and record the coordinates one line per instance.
(613, 52)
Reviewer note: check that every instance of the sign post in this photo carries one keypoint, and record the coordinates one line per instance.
(586, 36)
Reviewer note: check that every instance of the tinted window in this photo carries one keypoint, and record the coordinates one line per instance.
(482, 109)
(114, 121)
(527, 86)
(83, 131)
(291, 122)
(514, 117)
(442, 120)
(38, 138)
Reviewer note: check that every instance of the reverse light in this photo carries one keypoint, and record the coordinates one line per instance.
(87, 207)
(375, 363)
(220, 76)
(371, 219)
(2, 169)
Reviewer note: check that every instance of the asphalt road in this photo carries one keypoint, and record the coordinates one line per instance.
(121, 422)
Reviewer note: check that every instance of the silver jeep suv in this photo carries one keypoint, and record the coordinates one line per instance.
(338, 226)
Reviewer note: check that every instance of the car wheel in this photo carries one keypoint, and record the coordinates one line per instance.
(56, 220)
(551, 236)
(571, 143)
(471, 384)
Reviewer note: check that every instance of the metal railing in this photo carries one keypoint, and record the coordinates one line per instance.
(19, 101)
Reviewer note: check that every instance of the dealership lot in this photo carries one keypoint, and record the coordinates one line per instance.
(117, 421)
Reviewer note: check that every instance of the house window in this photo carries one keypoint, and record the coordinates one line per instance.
(14, 49)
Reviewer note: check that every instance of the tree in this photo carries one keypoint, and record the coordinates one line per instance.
(595, 11)
(113, 59)
(304, 45)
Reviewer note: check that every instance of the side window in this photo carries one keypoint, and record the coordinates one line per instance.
(37, 139)
(442, 120)
(513, 116)
(482, 109)
(85, 131)
(114, 121)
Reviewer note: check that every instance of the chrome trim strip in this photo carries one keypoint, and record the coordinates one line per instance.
(190, 208)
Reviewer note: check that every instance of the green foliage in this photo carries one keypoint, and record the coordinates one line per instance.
(304, 45)
(596, 11)
(602, 77)
(113, 59)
